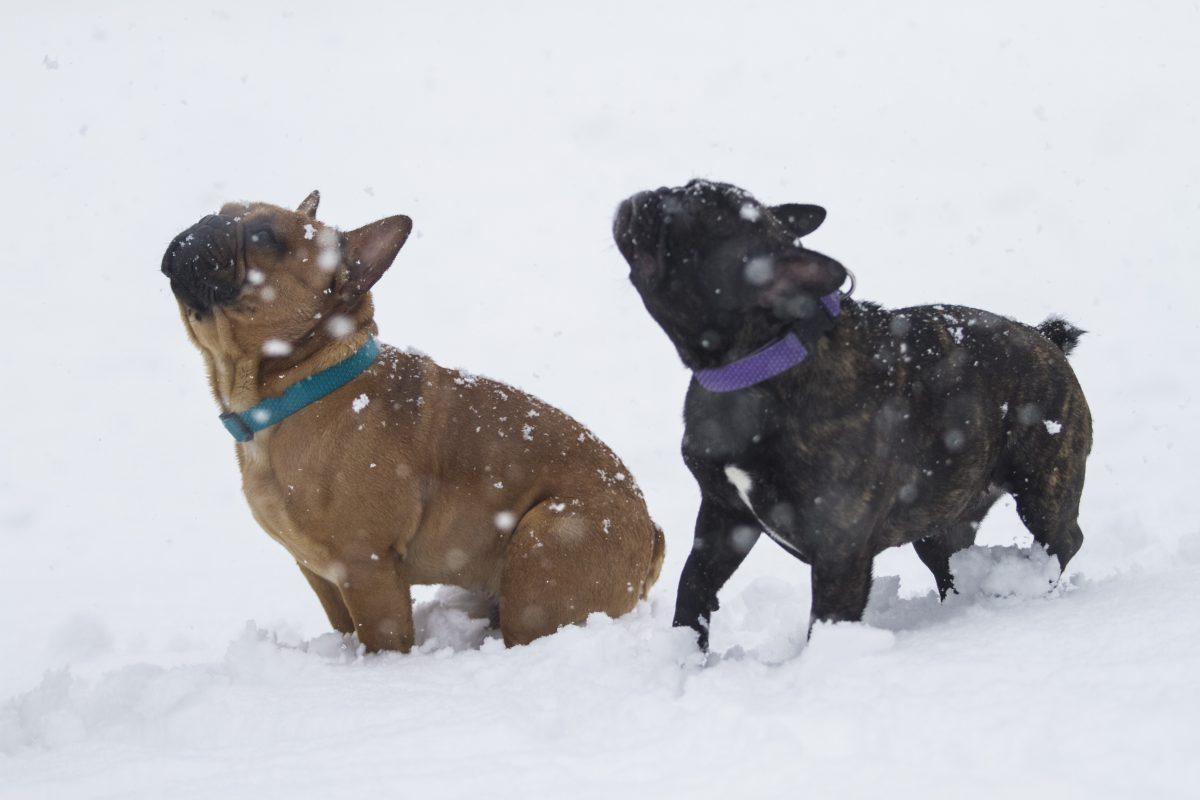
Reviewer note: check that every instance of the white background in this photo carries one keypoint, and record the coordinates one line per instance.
(1024, 157)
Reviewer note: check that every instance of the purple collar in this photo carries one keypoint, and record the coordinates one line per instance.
(766, 362)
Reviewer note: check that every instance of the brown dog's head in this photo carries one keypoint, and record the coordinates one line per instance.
(721, 272)
(277, 276)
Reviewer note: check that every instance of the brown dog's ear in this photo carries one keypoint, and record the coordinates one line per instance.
(370, 250)
(308, 206)
(799, 218)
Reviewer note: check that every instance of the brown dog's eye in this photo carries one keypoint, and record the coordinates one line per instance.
(263, 237)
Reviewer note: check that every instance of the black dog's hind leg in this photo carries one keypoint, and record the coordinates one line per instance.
(841, 584)
(723, 540)
(935, 551)
(1047, 474)
(1049, 507)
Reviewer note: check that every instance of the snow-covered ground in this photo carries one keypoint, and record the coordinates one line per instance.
(1027, 158)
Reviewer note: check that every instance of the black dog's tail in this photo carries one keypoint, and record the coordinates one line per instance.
(1062, 333)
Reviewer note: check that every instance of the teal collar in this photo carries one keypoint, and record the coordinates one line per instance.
(243, 425)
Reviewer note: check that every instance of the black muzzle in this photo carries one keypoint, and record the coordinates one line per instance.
(202, 262)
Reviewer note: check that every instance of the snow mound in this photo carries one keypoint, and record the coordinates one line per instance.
(1004, 572)
(455, 620)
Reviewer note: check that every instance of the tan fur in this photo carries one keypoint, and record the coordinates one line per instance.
(441, 477)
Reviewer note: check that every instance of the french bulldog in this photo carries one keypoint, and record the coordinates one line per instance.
(835, 426)
(395, 471)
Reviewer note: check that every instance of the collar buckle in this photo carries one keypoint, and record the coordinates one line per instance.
(237, 426)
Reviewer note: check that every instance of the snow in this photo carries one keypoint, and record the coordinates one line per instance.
(329, 249)
(759, 271)
(340, 326)
(156, 641)
(359, 403)
(276, 347)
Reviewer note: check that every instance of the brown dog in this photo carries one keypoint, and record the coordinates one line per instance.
(409, 473)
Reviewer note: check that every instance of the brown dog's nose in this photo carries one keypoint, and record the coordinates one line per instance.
(202, 262)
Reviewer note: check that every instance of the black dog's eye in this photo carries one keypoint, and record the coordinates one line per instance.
(263, 237)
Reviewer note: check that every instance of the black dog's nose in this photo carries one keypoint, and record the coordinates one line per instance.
(202, 262)
(637, 222)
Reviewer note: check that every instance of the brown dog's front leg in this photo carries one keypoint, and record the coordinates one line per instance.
(331, 601)
(380, 603)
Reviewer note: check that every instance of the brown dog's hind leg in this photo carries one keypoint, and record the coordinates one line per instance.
(566, 562)
(331, 601)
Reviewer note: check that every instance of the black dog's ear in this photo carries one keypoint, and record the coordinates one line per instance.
(308, 206)
(370, 250)
(813, 274)
(799, 218)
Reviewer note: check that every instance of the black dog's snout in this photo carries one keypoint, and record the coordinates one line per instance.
(638, 223)
(202, 262)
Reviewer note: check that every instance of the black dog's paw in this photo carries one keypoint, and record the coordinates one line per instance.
(700, 626)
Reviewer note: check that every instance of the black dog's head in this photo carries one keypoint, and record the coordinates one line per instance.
(721, 272)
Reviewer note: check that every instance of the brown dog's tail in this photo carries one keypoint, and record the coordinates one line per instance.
(1062, 333)
(656, 560)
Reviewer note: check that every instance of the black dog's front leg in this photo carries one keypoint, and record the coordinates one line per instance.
(722, 541)
(841, 584)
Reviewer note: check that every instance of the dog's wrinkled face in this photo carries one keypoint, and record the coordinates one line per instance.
(276, 274)
(717, 269)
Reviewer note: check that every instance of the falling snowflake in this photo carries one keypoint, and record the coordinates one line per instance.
(330, 254)
(276, 347)
(340, 326)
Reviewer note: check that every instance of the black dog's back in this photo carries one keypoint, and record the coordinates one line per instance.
(970, 403)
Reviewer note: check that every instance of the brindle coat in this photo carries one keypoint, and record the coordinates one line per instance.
(900, 426)
(411, 473)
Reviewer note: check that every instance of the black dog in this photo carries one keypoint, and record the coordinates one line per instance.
(835, 426)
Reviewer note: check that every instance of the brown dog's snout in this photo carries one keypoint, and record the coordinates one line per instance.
(202, 262)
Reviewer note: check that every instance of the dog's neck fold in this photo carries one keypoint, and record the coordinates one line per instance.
(240, 379)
